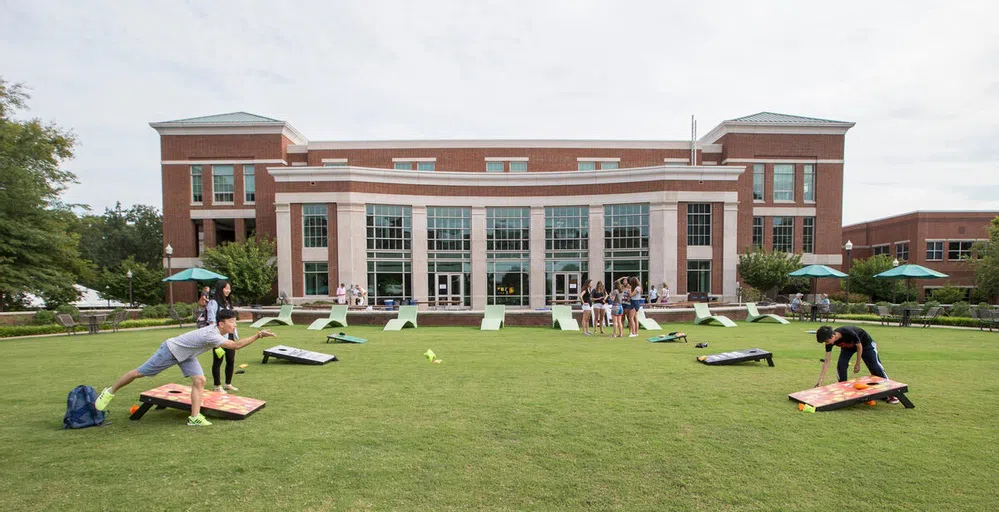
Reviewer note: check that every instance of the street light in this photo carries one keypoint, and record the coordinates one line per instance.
(895, 287)
(169, 254)
(129, 276)
(848, 247)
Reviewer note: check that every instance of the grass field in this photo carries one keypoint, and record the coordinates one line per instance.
(520, 419)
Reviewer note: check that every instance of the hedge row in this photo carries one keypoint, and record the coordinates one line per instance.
(957, 321)
(31, 330)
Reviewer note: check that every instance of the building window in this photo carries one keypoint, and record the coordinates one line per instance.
(959, 249)
(518, 166)
(757, 232)
(449, 256)
(699, 224)
(879, 249)
(196, 184)
(390, 252)
(626, 242)
(609, 165)
(449, 229)
(317, 278)
(567, 251)
(902, 251)
(222, 183)
(586, 166)
(783, 182)
(759, 178)
(249, 184)
(699, 276)
(336, 164)
(934, 250)
(314, 224)
(495, 166)
(426, 166)
(508, 260)
(407, 165)
(783, 234)
(808, 235)
(404, 166)
(810, 182)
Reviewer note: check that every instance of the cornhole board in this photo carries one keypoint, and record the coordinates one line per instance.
(214, 404)
(843, 394)
(668, 337)
(297, 355)
(344, 338)
(738, 356)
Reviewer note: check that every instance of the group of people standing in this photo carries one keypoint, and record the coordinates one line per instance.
(358, 295)
(621, 302)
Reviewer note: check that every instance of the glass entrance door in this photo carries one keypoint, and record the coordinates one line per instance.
(450, 289)
(566, 288)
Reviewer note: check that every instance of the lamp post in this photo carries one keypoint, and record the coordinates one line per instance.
(894, 288)
(129, 276)
(848, 247)
(169, 254)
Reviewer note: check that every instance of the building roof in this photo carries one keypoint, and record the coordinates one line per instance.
(782, 119)
(231, 117)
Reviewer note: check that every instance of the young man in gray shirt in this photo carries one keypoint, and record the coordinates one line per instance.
(183, 351)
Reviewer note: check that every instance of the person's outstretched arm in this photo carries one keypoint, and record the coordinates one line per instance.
(240, 343)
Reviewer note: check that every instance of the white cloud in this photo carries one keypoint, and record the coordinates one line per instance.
(917, 77)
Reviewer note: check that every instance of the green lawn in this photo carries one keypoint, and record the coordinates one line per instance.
(519, 419)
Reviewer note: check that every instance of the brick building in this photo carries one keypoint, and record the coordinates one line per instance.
(937, 240)
(517, 222)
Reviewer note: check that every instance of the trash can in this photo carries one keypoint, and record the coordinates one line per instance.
(389, 304)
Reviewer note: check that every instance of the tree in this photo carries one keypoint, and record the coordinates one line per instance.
(248, 265)
(768, 271)
(862, 279)
(37, 253)
(986, 262)
(108, 240)
(147, 282)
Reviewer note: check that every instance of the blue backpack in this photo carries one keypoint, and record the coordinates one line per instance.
(80, 410)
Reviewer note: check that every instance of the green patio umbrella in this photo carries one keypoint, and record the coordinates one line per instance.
(815, 272)
(910, 271)
(196, 274)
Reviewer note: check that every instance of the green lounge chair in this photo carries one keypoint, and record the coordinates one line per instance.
(647, 323)
(406, 318)
(494, 318)
(562, 318)
(337, 318)
(283, 318)
(755, 316)
(703, 315)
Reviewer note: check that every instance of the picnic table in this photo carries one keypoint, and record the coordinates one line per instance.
(93, 321)
(907, 314)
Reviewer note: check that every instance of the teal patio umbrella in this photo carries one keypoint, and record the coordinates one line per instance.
(910, 271)
(815, 272)
(196, 274)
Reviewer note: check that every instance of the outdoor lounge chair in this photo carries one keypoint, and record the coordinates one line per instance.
(647, 323)
(562, 318)
(929, 316)
(703, 315)
(283, 318)
(67, 322)
(885, 315)
(405, 318)
(755, 316)
(494, 318)
(337, 318)
(117, 319)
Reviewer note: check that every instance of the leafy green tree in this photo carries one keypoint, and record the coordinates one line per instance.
(147, 284)
(248, 265)
(108, 240)
(862, 279)
(768, 271)
(986, 262)
(949, 294)
(37, 252)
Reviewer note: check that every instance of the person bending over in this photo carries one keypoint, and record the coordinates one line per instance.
(851, 340)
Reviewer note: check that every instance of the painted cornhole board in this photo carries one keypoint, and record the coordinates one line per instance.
(673, 336)
(738, 356)
(214, 404)
(843, 394)
(344, 338)
(297, 355)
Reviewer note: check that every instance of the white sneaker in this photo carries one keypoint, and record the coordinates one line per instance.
(230, 387)
(632, 335)
(220, 389)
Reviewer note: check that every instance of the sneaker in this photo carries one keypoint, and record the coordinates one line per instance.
(632, 335)
(220, 389)
(198, 421)
(103, 400)
(893, 400)
(230, 387)
(586, 334)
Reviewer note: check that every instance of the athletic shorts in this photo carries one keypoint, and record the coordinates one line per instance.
(586, 307)
(164, 359)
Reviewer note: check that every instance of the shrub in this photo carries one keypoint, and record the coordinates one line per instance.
(930, 304)
(960, 308)
(750, 294)
(854, 297)
(949, 294)
(29, 330)
(68, 309)
(44, 317)
(157, 311)
(858, 308)
(183, 310)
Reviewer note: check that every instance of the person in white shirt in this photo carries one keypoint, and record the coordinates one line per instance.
(341, 294)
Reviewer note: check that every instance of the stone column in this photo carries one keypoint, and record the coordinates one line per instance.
(657, 244)
(479, 291)
(596, 240)
(730, 251)
(239, 226)
(670, 247)
(538, 298)
(283, 235)
(209, 228)
(420, 248)
(352, 244)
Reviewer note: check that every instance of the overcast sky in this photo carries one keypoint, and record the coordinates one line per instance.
(920, 79)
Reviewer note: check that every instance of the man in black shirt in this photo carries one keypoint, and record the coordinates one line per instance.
(850, 339)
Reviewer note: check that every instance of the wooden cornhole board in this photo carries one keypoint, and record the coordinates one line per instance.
(843, 394)
(738, 356)
(344, 338)
(297, 355)
(214, 404)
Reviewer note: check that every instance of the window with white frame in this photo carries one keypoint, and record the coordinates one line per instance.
(390, 252)
(407, 165)
(934, 250)
(902, 251)
(783, 234)
(196, 184)
(809, 182)
(757, 232)
(249, 184)
(808, 234)
(317, 278)
(518, 166)
(404, 166)
(783, 182)
(699, 276)
(877, 250)
(698, 223)
(609, 165)
(508, 260)
(223, 186)
(586, 166)
(759, 178)
(314, 225)
(495, 166)
(426, 166)
(626, 242)
(959, 249)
